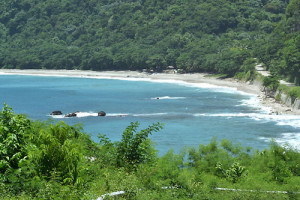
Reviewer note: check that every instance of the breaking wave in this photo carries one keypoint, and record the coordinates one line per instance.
(255, 103)
(282, 120)
(168, 97)
(94, 114)
(290, 139)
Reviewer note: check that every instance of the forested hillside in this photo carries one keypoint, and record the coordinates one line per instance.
(197, 35)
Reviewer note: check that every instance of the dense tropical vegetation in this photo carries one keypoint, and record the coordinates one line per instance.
(216, 36)
(52, 160)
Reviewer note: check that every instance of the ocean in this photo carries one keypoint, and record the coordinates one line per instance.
(192, 113)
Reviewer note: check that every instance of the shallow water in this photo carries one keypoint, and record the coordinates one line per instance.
(192, 113)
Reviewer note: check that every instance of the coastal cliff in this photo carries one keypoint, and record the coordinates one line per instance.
(280, 100)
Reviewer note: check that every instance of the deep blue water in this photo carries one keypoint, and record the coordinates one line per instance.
(192, 114)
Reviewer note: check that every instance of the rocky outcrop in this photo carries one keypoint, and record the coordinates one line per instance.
(296, 104)
(101, 114)
(279, 96)
(56, 112)
(71, 115)
(78, 114)
(287, 100)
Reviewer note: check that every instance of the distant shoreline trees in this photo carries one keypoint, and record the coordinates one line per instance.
(195, 36)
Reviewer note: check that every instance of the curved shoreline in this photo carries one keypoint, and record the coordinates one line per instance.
(196, 79)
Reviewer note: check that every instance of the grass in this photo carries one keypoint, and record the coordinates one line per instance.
(294, 91)
(219, 76)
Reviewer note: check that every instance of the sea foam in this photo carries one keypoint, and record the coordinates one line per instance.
(86, 114)
(149, 114)
(282, 120)
(255, 103)
(290, 139)
(168, 97)
(95, 114)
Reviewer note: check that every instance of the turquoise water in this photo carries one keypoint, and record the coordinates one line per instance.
(192, 113)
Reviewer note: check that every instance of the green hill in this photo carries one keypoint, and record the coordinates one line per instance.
(198, 35)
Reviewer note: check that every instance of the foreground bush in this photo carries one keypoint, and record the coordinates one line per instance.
(43, 160)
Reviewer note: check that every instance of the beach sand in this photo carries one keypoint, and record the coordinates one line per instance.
(194, 78)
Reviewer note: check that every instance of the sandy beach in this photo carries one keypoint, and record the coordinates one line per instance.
(195, 78)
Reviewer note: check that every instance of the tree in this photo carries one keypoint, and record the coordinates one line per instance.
(271, 82)
(212, 36)
(156, 62)
(293, 15)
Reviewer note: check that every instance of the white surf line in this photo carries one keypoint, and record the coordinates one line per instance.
(167, 97)
(113, 194)
(95, 114)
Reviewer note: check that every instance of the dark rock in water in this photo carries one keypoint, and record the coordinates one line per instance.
(101, 113)
(71, 115)
(56, 112)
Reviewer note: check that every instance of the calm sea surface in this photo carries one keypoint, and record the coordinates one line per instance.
(192, 113)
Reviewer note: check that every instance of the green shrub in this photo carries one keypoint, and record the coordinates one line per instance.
(13, 132)
(233, 173)
(293, 92)
(278, 97)
(135, 147)
(239, 75)
(284, 88)
(293, 95)
(60, 162)
(245, 76)
(15, 169)
(271, 82)
(54, 150)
